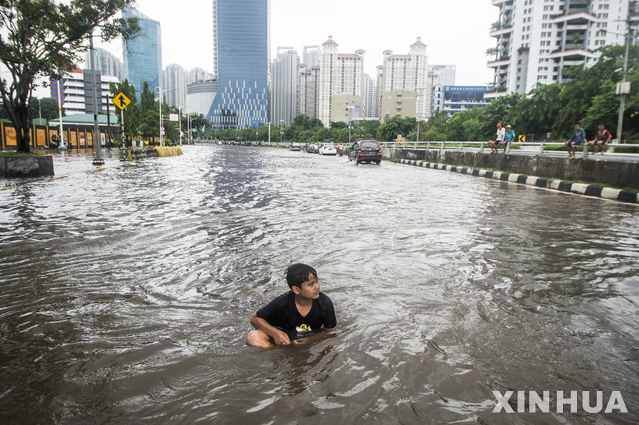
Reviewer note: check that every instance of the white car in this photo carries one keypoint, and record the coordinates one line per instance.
(327, 149)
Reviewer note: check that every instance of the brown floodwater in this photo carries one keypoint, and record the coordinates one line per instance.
(126, 293)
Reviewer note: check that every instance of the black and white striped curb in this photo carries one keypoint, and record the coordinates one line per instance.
(563, 186)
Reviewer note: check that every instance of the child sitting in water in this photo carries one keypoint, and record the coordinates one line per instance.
(300, 312)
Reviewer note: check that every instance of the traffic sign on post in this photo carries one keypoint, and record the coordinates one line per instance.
(522, 138)
(121, 101)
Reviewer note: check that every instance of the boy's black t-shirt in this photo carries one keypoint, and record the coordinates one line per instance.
(282, 312)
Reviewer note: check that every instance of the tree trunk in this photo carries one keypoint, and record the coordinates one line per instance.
(23, 135)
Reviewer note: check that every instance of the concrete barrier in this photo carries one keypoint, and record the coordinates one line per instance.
(618, 174)
(153, 152)
(26, 166)
(564, 186)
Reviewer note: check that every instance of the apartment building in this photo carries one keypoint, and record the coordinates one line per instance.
(284, 81)
(539, 40)
(340, 73)
(407, 74)
(308, 91)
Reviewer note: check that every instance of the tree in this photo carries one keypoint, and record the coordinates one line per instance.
(47, 106)
(131, 113)
(41, 37)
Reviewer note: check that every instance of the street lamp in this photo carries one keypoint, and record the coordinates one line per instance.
(419, 119)
(159, 91)
(281, 131)
(180, 107)
(350, 123)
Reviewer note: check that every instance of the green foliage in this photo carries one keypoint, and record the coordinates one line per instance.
(131, 113)
(42, 37)
(47, 106)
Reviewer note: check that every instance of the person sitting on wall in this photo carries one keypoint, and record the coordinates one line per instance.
(509, 136)
(599, 143)
(498, 139)
(578, 138)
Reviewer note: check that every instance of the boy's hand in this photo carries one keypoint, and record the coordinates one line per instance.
(280, 338)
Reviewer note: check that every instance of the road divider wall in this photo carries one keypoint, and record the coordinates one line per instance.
(618, 174)
(564, 186)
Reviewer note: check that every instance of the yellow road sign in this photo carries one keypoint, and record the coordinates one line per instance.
(121, 101)
(522, 139)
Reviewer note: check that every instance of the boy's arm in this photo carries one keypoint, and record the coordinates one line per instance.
(279, 337)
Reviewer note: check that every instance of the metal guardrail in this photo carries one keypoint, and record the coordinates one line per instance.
(528, 148)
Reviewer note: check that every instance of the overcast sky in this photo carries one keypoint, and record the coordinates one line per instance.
(455, 31)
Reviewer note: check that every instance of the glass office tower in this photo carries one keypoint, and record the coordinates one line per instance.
(143, 54)
(241, 52)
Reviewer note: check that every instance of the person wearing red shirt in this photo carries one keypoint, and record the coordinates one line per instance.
(601, 139)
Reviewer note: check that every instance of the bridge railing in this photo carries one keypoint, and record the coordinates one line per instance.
(528, 148)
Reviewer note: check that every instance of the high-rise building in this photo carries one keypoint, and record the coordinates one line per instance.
(198, 74)
(446, 74)
(538, 40)
(143, 54)
(370, 97)
(311, 56)
(407, 74)
(241, 54)
(308, 89)
(284, 80)
(175, 82)
(105, 62)
(339, 74)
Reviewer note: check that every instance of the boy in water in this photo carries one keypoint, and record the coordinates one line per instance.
(303, 311)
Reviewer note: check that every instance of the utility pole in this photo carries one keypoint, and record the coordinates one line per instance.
(623, 88)
(97, 142)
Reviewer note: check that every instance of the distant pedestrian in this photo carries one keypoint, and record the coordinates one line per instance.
(509, 136)
(501, 133)
(602, 138)
(578, 138)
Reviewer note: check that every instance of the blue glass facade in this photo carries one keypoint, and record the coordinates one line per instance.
(143, 54)
(242, 57)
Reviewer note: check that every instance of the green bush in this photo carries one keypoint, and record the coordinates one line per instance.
(626, 149)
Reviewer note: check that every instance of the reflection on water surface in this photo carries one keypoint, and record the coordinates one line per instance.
(126, 293)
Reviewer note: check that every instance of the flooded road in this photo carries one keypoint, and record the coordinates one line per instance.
(125, 294)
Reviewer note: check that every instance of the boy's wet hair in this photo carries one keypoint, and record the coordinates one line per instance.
(297, 273)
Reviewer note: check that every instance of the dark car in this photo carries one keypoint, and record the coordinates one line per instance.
(310, 148)
(366, 151)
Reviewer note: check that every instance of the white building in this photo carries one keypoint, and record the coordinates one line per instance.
(370, 97)
(407, 73)
(537, 40)
(175, 80)
(339, 74)
(105, 62)
(284, 81)
(445, 73)
(311, 56)
(199, 97)
(74, 92)
(198, 74)
(308, 90)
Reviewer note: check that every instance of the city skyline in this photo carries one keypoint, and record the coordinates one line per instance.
(187, 36)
